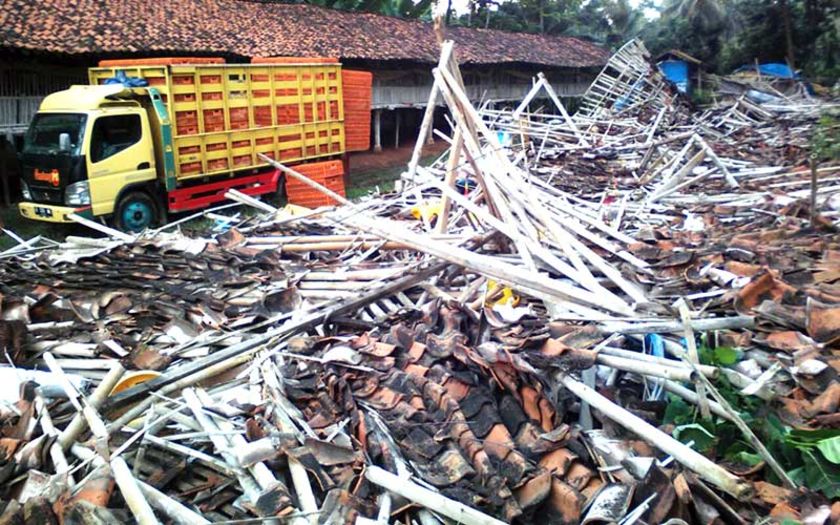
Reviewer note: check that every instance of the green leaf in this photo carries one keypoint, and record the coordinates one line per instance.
(797, 475)
(830, 448)
(725, 355)
(703, 439)
(720, 356)
(811, 437)
(746, 458)
(678, 411)
(820, 476)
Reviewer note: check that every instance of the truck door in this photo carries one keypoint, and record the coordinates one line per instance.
(121, 154)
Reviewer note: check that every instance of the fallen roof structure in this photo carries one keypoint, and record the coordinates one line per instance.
(625, 316)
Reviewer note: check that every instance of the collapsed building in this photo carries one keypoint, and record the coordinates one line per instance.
(626, 314)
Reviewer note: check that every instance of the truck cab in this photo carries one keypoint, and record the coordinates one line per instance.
(89, 151)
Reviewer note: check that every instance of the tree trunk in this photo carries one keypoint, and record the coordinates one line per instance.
(785, 8)
(542, 16)
(811, 13)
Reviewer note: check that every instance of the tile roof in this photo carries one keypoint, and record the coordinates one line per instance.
(252, 28)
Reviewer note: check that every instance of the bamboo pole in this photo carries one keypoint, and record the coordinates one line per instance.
(672, 327)
(78, 424)
(685, 455)
(428, 115)
(449, 180)
(110, 232)
(130, 490)
(673, 373)
(529, 282)
(180, 514)
(693, 357)
(452, 509)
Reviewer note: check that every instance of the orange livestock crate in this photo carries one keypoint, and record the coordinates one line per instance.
(223, 115)
(294, 60)
(357, 90)
(328, 173)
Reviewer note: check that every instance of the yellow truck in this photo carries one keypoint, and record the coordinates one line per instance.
(149, 137)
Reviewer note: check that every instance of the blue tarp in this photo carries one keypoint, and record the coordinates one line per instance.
(121, 78)
(677, 72)
(773, 69)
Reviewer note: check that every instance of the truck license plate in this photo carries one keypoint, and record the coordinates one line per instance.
(43, 212)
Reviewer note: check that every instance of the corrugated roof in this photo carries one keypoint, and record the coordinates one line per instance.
(253, 28)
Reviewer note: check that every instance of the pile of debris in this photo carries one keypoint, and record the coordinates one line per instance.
(626, 315)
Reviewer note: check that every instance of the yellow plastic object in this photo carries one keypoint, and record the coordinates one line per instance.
(131, 379)
(427, 210)
(508, 297)
(222, 115)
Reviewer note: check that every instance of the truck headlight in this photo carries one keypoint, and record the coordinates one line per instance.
(77, 194)
(24, 191)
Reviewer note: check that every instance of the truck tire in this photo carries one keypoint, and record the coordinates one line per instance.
(135, 212)
(279, 196)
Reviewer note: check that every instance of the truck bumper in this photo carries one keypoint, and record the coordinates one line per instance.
(51, 213)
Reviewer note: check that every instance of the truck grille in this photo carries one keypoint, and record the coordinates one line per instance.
(47, 196)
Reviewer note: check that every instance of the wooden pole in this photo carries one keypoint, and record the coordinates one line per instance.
(377, 130)
(437, 502)
(172, 508)
(78, 424)
(397, 128)
(693, 357)
(132, 494)
(428, 116)
(685, 455)
(527, 281)
(449, 180)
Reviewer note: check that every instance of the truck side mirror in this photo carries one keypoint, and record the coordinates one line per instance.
(64, 142)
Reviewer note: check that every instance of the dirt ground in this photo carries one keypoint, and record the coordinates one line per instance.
(390, 157)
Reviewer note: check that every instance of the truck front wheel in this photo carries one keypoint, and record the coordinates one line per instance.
(135, 212)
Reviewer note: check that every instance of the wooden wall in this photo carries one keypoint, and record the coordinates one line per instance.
(410, 88)
(24, 83)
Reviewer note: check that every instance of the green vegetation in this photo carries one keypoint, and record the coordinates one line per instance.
(824, 143)
(810, 457)
(365, 182)
(362, 183)
(724, 34)
(11, 219)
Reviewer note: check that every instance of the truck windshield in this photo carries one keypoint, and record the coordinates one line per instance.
(46, 128)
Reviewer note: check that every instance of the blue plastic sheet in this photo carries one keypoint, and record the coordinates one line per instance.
(772, 69)
(676, 71)
(654, 344)
(121, 78)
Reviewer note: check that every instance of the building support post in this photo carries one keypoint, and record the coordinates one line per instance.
(397, 128)
(4, 169)
(430, 136)
(377, 130)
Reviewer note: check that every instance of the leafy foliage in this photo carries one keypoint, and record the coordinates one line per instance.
(811, 457)
(724, 34)
(824, 143)
(719, 356)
